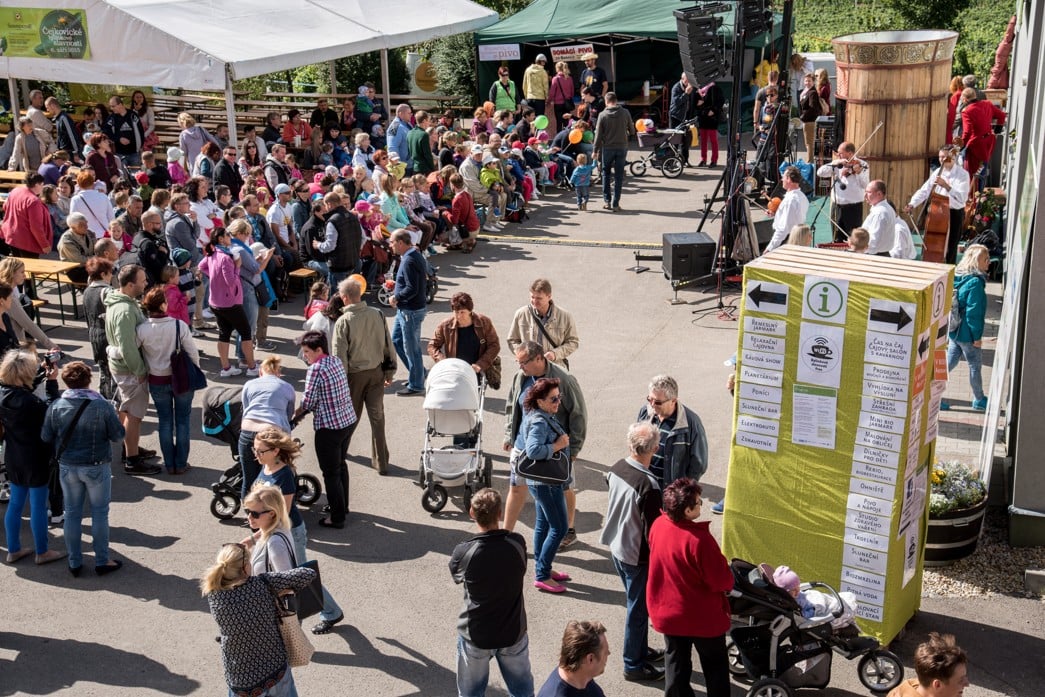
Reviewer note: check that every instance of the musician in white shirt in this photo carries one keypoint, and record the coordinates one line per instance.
(880, 222)
(903, 245)
(951, 181)
(849, 177)
(792, 210)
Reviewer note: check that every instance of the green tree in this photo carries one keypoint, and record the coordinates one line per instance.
(981, 29)
(928, 14)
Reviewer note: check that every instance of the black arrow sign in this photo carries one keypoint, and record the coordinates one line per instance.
(759, 296)
(900, 318)
(923, 346)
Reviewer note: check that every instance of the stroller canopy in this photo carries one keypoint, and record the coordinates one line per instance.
(452, 386)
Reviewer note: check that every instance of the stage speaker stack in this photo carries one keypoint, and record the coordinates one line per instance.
(700, 46)
(688, 255)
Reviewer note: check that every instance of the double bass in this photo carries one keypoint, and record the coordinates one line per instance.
(937, 224)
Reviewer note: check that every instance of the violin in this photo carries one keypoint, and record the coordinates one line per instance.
(848, 167)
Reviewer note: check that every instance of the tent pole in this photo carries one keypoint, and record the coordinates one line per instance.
(12, 88)
(333, 76)
(613, 64)
(230, 108)
(385, 82)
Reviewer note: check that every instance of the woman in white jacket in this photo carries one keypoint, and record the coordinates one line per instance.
(158, 337)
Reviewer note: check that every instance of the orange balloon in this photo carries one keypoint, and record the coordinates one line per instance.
(774, 203)
(361, 280)
(576, 135)
(640, 126)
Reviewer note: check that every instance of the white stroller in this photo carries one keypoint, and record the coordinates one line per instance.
(454, 407)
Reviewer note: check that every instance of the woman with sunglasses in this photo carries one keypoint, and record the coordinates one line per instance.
(276, 451)
(250, 158)
(270, 544)
(542, 437)
(252, 649)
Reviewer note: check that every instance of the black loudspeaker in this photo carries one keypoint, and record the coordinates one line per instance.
(764, 233)
(687, 255)
(700, 47)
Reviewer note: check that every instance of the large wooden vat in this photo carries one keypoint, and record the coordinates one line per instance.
(899, 79)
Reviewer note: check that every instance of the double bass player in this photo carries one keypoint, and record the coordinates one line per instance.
(946, 186)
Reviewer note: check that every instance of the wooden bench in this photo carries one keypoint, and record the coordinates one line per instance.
(9, 180)
(74, 286)
(304, 276)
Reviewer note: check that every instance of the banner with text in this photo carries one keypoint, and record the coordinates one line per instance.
(31, 32)
(570, 53)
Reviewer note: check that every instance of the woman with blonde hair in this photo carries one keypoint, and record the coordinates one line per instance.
(272, 548)
(268, 402)
(966, 339)
(801, 235)
(192, 138)
(276, 451)
(252, 648)
(12, 272)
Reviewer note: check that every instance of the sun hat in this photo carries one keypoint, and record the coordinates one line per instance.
(174, 154)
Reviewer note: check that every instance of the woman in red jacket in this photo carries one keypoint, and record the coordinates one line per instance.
(686, 592)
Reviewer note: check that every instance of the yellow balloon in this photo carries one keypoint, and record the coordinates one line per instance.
(361, 280)
(576, 135)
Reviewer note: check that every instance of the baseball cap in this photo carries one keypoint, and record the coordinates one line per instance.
(283, 189)
(541, 57)
(532, 141)
(476, 149)
(488, 159)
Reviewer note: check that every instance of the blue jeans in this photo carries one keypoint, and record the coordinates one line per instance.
(331, 610)
(248, 464)
(473, 668)
(406, 337)
(250, 308)
(613, 162)
(173, 413)
(636, 622)
(323, 270)
(37, 496)
(131, 160)
(583, 194)
(550, 527)
(93, 482)
(972, 354)
(284, 688)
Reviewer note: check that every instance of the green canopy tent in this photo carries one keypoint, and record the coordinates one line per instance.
(641, 37)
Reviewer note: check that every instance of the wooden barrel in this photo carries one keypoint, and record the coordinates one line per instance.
(899, 79)
(953, 536)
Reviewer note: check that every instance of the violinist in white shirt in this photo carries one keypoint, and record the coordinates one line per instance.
(849, 177)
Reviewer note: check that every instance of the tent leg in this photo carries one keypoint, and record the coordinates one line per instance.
(230, 110)
(613, 65)
(332, 65)
(385, 82)
(12, 88)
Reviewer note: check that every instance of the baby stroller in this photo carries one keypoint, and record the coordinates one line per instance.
(665, 153)
(774, 645)
(222, 413)
(384, 293)
(454, 407)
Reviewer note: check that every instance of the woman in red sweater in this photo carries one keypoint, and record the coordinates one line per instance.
(686, 592)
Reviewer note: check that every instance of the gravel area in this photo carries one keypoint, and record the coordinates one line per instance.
(994, 569)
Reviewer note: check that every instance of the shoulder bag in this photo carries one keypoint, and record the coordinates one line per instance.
(540, 326)
(299, 648)
(555, 470)
(185, 375)
(53, 465)
(307, 601)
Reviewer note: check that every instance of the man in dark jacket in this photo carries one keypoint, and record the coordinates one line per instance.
(67, 135)
(149, 249)
(313, 231)
(124, 129)
(409, 301)
(683, 101)
(634, 503)
(227, 172)
(683, 450)
(612, 131)
(342, 238)
(492, 624)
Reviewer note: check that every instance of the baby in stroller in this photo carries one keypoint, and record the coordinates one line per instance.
(815, 604)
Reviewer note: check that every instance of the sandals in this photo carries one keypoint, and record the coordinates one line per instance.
(12, 557)
(49, 556)
(325, 626)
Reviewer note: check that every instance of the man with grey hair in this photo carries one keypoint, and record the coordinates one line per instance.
(75, 245)
(361, 342)
(683, 447)
(634, 503)
(131, 219)
(397, 133)
(36, 112)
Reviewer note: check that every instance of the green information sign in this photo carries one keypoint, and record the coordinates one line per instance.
(30, 32)
(840, 373)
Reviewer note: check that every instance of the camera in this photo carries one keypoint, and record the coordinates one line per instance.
(51, 358)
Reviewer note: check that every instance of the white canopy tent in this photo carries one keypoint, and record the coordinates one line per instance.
(205, 44)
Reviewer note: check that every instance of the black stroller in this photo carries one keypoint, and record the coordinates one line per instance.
(222, 414)
(774, 645)
(665, 150)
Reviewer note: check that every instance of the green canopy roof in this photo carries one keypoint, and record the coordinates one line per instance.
(550, 21)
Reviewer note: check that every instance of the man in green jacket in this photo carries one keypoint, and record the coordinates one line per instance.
(122, 317)
(363, 345)
(572, 415)
(419, 144)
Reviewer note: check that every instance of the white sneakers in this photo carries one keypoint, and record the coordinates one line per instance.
(232, 371)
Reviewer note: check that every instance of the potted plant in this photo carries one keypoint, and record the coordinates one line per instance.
(957, 502)
(6, 121)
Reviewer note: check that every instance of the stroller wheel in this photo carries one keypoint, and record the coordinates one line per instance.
(770, 687)
(224, 507)
(383, 296)
(880, 671)
(309, 489)
(467, 498)
(637, 168)
(434, 500)
(736, 665)
(671, 167)
(488, 471)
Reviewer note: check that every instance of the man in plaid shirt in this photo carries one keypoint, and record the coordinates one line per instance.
(327, 397)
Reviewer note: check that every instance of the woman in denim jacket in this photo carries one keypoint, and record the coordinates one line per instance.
(85, 465)
(542, 437)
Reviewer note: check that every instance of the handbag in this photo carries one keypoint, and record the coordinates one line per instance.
(304, 602)
(56, 458)
(185, 375)
(555, 470)
(493, 373)
(299, 648)
(261, 292)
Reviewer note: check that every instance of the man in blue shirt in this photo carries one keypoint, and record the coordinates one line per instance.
(409, 302)
(396, 133)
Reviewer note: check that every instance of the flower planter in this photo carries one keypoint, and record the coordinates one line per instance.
(953, 535)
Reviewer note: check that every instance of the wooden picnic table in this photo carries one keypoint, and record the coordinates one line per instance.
(51, 270)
